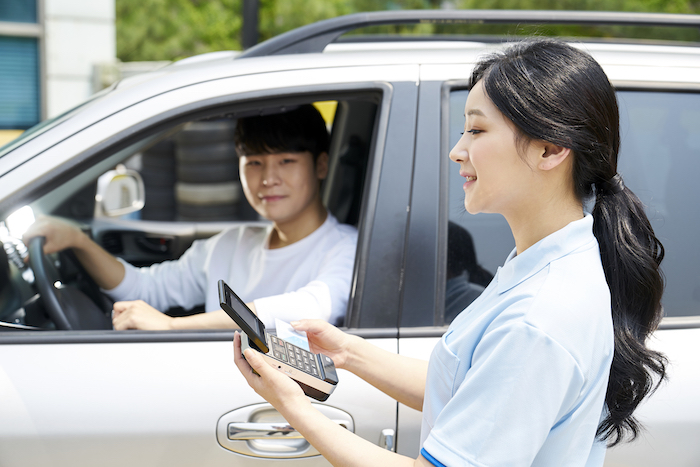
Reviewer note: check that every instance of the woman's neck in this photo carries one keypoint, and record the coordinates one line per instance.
(531, 227)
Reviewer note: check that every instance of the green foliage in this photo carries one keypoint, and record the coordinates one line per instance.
(277, 16)
(649, 6)
(174, 29)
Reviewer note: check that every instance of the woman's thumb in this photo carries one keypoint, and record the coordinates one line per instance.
(255, 361)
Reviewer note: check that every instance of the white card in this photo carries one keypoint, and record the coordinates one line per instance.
(286, 332)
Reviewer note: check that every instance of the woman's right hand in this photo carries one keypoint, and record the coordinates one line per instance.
(60, 234)
(327, 339)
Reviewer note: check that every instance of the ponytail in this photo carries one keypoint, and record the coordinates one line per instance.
(631, 255)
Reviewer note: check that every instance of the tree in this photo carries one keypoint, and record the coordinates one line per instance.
(174, 29)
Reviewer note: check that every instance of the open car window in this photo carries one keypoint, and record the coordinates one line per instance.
(189, 169)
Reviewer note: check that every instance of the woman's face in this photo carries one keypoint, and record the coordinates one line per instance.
(283, 186)
(499, 179)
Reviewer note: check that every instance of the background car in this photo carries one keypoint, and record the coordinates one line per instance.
(77, 393)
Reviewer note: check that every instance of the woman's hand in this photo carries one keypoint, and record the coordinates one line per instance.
(138, 314)
(327, 339)
(274, 386)
(60, 235)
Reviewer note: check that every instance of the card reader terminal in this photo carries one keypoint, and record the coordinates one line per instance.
(315, 373)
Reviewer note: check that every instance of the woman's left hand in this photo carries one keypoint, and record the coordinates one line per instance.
(274, 386)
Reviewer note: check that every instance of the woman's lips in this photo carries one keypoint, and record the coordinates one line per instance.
(469, 180)
(272, 198)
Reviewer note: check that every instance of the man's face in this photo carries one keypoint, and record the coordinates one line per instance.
(282, 186)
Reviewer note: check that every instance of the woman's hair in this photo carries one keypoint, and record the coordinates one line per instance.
(557, 93)
(299, 130)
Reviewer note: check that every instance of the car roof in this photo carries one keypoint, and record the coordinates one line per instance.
(223, 65)
(623, 61)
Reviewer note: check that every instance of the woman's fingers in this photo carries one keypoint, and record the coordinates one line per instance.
(277, 388)
(242, 364)
(311, 325)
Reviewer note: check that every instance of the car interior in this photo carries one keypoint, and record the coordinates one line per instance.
(189, 172)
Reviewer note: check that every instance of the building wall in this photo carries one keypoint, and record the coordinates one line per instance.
(73, 37)
(80, 34)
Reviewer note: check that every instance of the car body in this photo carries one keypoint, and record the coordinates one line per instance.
(100, 397)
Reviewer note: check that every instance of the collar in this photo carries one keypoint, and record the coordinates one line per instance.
(518, 268)
(330, 223)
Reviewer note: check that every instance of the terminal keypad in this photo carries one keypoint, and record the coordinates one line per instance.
(294, 356)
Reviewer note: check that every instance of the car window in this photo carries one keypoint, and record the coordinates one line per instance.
(659, 160)
(476, 245)
(192, 190)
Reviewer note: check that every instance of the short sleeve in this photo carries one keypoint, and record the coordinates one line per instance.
(519, 384)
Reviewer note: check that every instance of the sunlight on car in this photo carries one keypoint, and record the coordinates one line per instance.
(19, 221)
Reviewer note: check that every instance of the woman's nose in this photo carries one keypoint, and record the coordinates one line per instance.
(459, 152)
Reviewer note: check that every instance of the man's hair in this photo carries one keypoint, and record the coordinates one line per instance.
(299, 130)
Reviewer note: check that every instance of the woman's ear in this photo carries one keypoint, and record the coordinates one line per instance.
(552, 156)
(322, 166)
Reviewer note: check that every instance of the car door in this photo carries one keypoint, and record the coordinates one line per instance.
(170, 398)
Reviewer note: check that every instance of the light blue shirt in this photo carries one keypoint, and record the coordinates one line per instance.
(520, 376)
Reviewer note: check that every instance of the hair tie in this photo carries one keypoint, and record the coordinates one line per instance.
(613, 185)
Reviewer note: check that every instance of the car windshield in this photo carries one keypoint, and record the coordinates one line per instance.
(41, 127)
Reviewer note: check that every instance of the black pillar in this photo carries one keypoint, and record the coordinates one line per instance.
(250, 23)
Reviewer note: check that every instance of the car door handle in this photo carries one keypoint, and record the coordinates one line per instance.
(258, 430)
(248, 431)
(245, 431)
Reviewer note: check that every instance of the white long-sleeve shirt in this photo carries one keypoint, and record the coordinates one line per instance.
(310, 278)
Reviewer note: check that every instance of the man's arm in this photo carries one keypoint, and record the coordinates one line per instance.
(138, 314)
(217, 319)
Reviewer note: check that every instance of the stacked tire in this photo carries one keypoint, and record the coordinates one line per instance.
(207, 186)
(158, 173)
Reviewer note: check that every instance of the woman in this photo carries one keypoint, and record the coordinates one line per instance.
(549, 363)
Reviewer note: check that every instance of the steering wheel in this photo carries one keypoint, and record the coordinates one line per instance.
(67, 306)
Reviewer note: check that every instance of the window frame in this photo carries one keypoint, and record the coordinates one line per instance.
(386, 111)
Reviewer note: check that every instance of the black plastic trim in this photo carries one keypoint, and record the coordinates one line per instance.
(390, 186)
(679, 322)
(130, 337)
(426, 331)
(423, 295)
(667, 324)
(313, 38)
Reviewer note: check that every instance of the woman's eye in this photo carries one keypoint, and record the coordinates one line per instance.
(474, 132)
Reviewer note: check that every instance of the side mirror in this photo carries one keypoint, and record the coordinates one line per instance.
(119, 192)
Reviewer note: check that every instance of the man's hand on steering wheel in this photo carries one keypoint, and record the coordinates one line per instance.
(60, 234)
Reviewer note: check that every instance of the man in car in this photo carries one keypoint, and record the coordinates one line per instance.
(299, 266)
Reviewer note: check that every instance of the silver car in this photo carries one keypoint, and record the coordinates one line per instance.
(138, 167)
